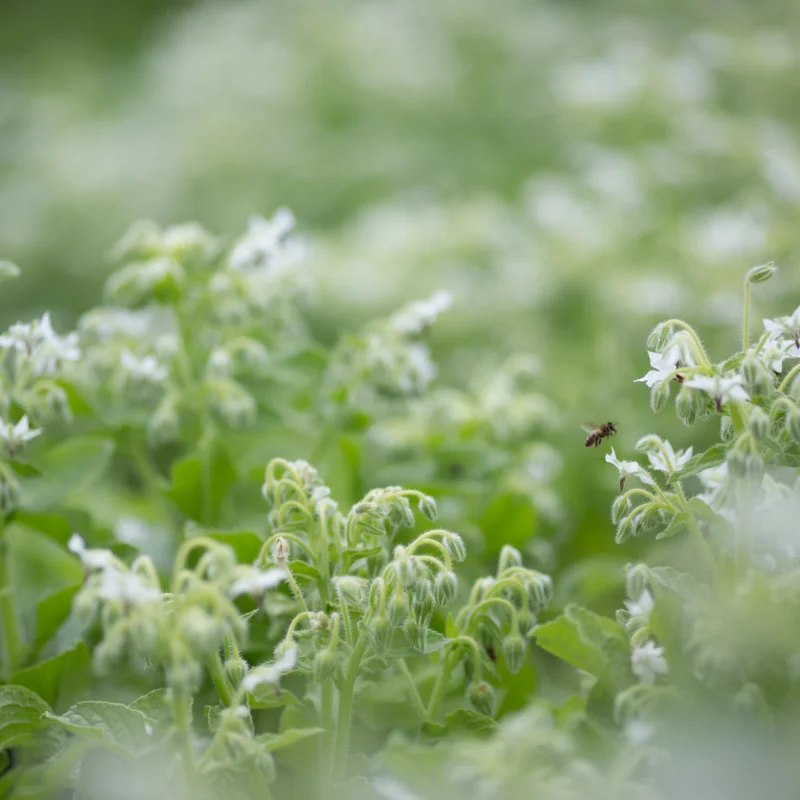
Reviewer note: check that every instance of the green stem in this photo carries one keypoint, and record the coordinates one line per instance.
(437, 695)
(694, 530)
(415, 696)
(785, 382)
(346, 693)
(13, 648)
(746, 331)
(328, 743)
(206, 443)
(220, 679)
(738, 417)
(323, 545)
(181, 711)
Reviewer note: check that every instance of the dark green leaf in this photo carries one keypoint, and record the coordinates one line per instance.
(510, 519)
(58, 677)
(711, 458)
(188, 492)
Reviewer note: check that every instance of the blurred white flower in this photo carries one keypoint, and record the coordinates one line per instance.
(271, 673)
(721, 389)
(662, 366)
(640, 610)
(256, 582)
(263, 242)
(785, 328)
(421, 314)
(648, 661)
(666, 460)
(15, 435)
(91, 558)
(127, 586)
(628, 469)
(146, 369)
(639, 731)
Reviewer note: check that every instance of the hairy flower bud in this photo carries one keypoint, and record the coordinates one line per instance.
(397, 606)
(350, 589)
(380, 633)
(737, 462)
(455, 547)
(514, 652)
(690, 405)
(757, 378)
(540, 590)
(481, 696)
(445, 588)
(427, 505)
(509, 557)
(235, 669)
(637, 580)
(415, 634)
(761, 273)
(659, 394)
(280, 550)
(325, 665)
(759, 423)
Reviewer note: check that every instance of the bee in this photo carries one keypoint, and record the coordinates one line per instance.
(598, 432)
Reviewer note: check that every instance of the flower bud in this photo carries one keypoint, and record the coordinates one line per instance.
(280, 550)
(160, 279)
(376, 590)
(165, 423)
(350, 589)
(8, 271)
(759, 423)
(415, 635)
(284, 648)
(757, 378)
(423, 606)
(235, 669)
(514, 652)
(761, 273)
(325, 665)
(726, 428)
(184, 676)
(397, 607)
(427, 505)
(793, 423)
(754, 466)
(737, 462)
(481, 696)
(689, 405)
(455, 547)
(659, 395)
(658, 337)
(637, 580)
(445, 587)
(619, 508)
(509, 557)
(380, 632)
(540, 590)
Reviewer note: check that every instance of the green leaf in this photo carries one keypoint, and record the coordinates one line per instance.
(21, 715)
(119, 727)
(509, 519)
(450, 630)
(213, 716)
(679, 523)
(187, 490)
(155, 706)
(57, 677)
(51, 614)
(711, 458)
(266, 696)
(460, 721)
(353, 554)
(277, 741)
(302, 570)
(561, 638)
(67, 468)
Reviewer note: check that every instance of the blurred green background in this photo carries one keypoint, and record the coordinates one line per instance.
(572, 172)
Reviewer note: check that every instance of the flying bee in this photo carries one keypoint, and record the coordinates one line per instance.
(598, 432)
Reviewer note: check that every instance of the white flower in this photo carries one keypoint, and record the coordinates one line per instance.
(256, 582)
(776, 351)
(714, 479)
(639, 731)
(662, 366)
(19, 434)
(785, 328)
(263, 242)
(421, 314)
(722, 390)
(128, 586)
(629, 469)
(640, 610)
(146, 369)
(270, 673)
(666, 460)
(50, 349)
(92, 559)
(648, 661)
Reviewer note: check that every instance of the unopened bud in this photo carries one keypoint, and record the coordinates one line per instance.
(427, 505)
(509, 557)
(415, 635)
(280, 550)
(455, 547)
(235, 669)
(737, 462)
(757, 378)
(481, 696)
(754, 466)
(689, 405)
(325, 665)
(514, 652)
(659, 395)
(759, 423)
(350, 589)
(619, 508)
(761, 273)
(445, 588)
(540, 590)
(637, 580)
(397, 607)
(380, 632)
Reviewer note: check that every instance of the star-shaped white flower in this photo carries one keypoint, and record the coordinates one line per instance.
(661, 367)
(146, 369)
(666, 460)
(628, 469)
(640, 610)
(722, 389)
(648, 661)
(91, 558)
(271, 673)
(264, 240)
(256, 582)
(776, 351)
(16, 435)
(116, 584)
(785, 328)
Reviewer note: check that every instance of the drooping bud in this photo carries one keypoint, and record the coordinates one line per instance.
(637, 580)
(325, 665)
(481, 696)
(397, 606)
(350, 589)
(509, 557)
(235, 668)
(759, 423)
(540, 590)
(659, 394)
(455, 547)
(427, 505)
(380, 632)
(280, 550)
(737, 462)
(445, 587)
(514, 652)
(415, 634)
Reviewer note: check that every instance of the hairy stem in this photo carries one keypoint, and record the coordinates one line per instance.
(346, 694)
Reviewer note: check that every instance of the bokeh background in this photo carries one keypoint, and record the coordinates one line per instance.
(572, 172)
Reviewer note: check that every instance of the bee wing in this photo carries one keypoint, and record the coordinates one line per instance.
(589, 426)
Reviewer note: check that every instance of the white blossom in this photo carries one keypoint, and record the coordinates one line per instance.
(722, 390)
(640, 610)
(19, 434)
(648, 661)
(785, 328)
(146, 369)
(639, 731)
(263, 242)
(662, 367)
(628, 469)
(130, 587)
(666, 460)
(256, 582)
(91, 558)
(421, 314)
(270, 673)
